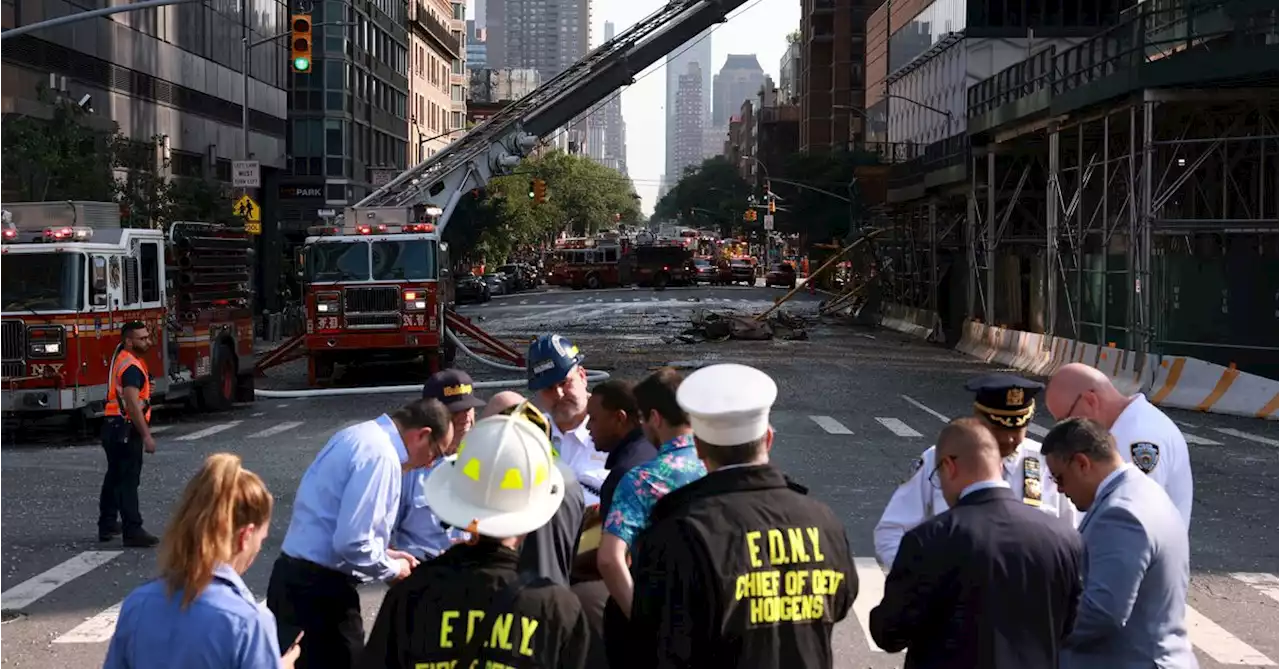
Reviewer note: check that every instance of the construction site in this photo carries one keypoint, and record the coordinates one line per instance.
(1117, 192)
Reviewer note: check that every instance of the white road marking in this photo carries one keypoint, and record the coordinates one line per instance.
(1184, 423)
(211, 430)
(1232, 432)
(543, 314)
(617, 299)
(1221, 645)
(542, 301)
(898, 427)
(276, 429)
(870, 592)
(27, 592)
(1199, 441)
(831, 425)
(97, 629)
(259, 414)
(635, 299)
(281, 406)
(1038, 430)
(920, 405)
(524, 301)
(157, 429)
(1266, 584)
(654, 299)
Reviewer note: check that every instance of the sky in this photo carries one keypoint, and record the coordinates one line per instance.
(756, 26)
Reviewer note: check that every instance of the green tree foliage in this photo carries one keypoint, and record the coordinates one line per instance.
(712, 194)
(817, 216)
(65, 158)
(583, 197)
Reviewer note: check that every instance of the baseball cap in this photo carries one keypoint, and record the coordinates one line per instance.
(453, 387)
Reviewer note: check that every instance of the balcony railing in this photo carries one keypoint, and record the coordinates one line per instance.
(437, 30)
(1152, 34)
(939, 155)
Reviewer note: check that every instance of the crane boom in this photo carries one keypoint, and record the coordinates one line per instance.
(497, 146)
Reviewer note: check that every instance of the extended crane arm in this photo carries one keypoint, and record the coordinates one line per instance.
(497, 146)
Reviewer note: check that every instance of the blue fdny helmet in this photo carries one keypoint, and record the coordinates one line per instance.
(550, 359)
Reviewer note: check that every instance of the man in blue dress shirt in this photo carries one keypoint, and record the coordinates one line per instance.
(419, 531)
(340, 531)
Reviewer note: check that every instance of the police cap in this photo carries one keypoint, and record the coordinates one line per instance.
(1004, 399)
(728, 404)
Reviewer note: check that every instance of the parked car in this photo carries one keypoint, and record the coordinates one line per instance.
(522, 276)
(499, 283)
(704, 271)
(471, 288)
(741, 270)
(781, 274)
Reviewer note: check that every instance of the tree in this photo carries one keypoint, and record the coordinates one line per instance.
(712, 193)
(814, 215)
(583, 197)
(64, 158)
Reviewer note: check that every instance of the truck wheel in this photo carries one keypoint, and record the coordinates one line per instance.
(660, 281)
(593, 282)
(219, 392)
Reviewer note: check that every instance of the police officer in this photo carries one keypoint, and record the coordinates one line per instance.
(126, 434)
(418, 530)
(470, 606)
(739, 568)
(1146, 437)
(1005, 403)
(340, 529)
(559, 383)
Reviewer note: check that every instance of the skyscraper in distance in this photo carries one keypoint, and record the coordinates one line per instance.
(696, 50)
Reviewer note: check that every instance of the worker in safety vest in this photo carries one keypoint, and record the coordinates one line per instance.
(126, 435)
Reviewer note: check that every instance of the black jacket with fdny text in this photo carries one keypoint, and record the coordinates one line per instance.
(740, 569)
(424, 619)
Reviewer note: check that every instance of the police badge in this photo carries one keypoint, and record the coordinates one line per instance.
(1145, 456)
(915, 467)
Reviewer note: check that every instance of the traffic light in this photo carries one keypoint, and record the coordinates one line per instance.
(539, 191)
(749, 216)
(772, 207)
(300, 43)
(533, 189)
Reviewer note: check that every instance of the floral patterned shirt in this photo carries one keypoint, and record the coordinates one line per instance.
(640, 489)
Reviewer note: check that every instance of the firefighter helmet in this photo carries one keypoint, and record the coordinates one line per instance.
(551, 357)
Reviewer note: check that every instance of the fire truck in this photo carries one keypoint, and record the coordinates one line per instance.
(72, 277)
(373, 291)
(584, 262)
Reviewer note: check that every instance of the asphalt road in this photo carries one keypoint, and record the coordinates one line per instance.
(855, 407)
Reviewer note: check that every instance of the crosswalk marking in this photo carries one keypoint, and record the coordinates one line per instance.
(870, 592)
(898, 427)
(1199, 441)
(27, 592)
(1221, 645)
(276, 429)
(831, 425)
(1266, 584)
(920, 405)
(1232, 432)
(97, 629)
(211, 430)
(157, 429)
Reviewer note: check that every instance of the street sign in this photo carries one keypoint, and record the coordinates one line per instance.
(253, 227)
(246, 174)
(247, 209)
(768, 221)
(326, 213)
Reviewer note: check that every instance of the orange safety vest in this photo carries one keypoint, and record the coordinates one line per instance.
(124, 361)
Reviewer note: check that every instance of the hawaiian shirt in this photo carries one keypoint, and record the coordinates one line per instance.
(640, 489)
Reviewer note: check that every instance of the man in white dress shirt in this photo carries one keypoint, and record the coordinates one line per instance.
(1005, 403)
(559, 384)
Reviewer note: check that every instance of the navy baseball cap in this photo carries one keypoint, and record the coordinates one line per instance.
(453, 387)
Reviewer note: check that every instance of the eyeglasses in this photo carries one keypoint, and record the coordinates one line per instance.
(933, 475)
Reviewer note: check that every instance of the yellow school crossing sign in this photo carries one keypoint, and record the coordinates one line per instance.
(249, 210)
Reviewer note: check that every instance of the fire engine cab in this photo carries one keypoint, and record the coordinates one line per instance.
(374, 292)
(72, 277)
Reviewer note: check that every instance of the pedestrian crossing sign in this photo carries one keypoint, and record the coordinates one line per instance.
(247, 209)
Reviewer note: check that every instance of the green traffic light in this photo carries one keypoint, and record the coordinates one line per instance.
(302, 64)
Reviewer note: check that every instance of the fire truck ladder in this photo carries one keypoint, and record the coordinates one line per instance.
(489, 345)
(291, 349)
(497, 146)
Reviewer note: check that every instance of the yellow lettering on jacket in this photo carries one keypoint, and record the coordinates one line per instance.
(500, 638)
(793, 593)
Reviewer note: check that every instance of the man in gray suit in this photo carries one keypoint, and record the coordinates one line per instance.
(1137, 559)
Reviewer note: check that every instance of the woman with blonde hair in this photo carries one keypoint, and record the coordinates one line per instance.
(199, 614)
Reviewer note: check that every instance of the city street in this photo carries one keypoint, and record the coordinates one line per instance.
(855, 407)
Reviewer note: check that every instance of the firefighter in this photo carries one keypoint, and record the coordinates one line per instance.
(1005, 403)
(740, 567)
(126, 435)
(471, 606)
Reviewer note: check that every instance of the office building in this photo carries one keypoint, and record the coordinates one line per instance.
(739, 80)
(437, 81)
(697, 51)
(789, 70)
(546, 35)
(477, 50)
(615, 128)
(831, 79)
(690, 118)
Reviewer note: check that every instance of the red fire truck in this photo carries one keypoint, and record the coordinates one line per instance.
(584, 262)
(72, 277)
(374, 292)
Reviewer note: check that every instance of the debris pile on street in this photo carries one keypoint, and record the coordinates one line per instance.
(713, 326)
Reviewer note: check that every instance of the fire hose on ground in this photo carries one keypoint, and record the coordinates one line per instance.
(593, 376)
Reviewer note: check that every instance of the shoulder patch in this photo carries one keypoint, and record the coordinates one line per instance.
(916, 464)
(1145, 455)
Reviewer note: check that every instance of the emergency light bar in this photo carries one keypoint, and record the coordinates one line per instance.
(370, 229)
(418, 227)
(65, 234)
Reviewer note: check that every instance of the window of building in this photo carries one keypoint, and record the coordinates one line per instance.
(335, 191)
(334, 137)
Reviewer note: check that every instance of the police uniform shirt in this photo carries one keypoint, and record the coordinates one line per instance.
(578, 451)
(918, 499)
(1146, 437)
(426, 620)
(740, 569)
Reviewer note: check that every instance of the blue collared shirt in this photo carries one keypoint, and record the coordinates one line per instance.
(347, 502)
(223, 628)
(419, 531)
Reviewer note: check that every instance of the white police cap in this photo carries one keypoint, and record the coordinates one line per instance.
(728, 404)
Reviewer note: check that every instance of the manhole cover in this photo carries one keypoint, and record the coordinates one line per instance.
(9, 615)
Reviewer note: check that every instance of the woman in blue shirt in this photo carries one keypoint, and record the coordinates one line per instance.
(199, 614)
